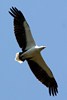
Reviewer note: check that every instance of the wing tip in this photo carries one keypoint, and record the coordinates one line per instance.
(17, 14)
(53, 87)
(53, 91)
(13, 11)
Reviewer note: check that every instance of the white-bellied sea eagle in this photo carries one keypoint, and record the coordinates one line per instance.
(31, 52)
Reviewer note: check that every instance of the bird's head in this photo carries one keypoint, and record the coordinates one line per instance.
(42, 47)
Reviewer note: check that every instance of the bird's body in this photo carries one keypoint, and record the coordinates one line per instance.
(31, 52)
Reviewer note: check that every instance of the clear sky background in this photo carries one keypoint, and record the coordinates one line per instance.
(48, 23)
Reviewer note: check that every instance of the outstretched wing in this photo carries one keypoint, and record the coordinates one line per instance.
(43, 73)
(22, 30)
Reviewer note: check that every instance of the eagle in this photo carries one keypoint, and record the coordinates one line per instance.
(31, 52)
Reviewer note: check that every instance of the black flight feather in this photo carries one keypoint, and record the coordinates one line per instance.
(43, 77)
(19, 29)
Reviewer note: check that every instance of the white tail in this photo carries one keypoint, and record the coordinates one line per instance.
(17, 58)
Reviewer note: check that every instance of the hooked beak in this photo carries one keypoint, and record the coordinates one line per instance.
(44, 46)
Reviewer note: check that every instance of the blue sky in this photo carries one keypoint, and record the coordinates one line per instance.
(48, 23)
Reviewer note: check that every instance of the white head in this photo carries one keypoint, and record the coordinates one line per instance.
(42, 47)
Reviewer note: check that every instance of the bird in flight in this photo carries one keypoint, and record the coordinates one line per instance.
(31, 52)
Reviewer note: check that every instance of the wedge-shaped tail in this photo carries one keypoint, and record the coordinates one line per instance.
(17, 58)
